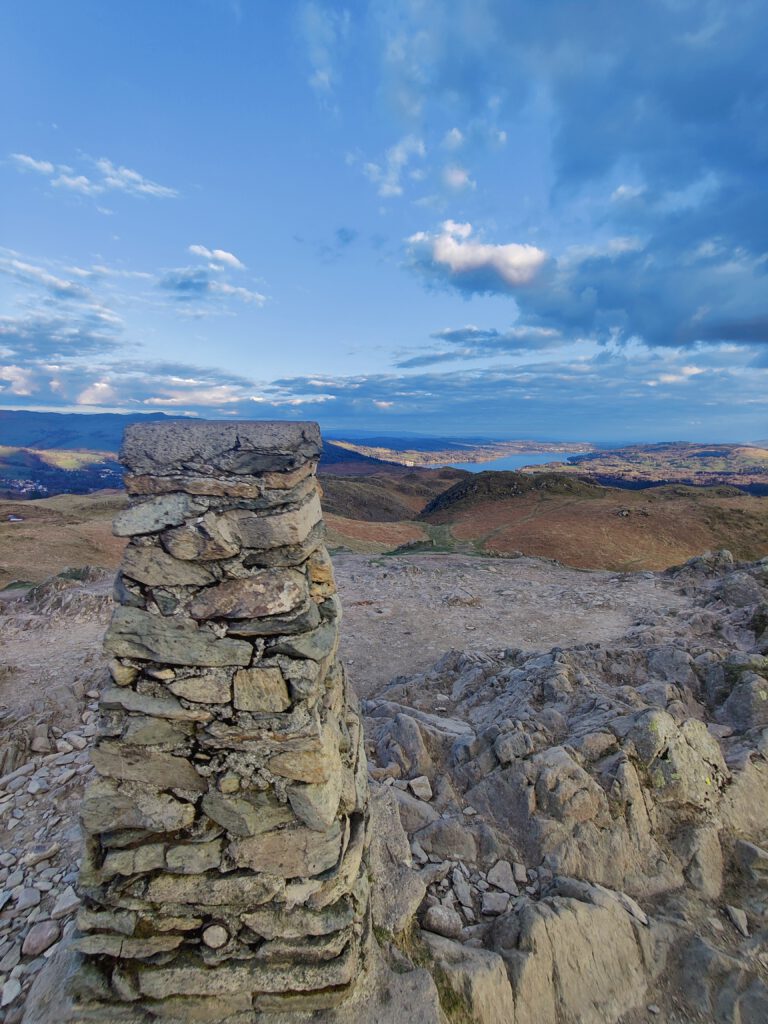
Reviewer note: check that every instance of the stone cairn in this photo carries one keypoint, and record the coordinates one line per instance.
(223, 871)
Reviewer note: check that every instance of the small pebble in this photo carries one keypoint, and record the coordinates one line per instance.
(215, 936)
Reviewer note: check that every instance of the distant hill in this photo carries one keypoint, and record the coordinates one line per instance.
(386, 496)
(345, 462)
(582, 523)
(38, 473)
(652, 465)
(101, 431)
(492, 485)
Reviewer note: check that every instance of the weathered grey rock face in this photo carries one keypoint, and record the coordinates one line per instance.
(223, 871)
(595, 815)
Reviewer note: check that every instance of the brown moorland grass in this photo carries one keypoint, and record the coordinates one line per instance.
(371, 538)
(56, 533)
(661, 527)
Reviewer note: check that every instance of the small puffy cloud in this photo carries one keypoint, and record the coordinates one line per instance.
(453, 256)
(387, 175)
(28, 163)
(80, 332)
(625, 193)
(16, 380)
(186, 282)
(218, 257)
(98, 393)
(453, 139)
(515, 339)
(182, 394)
(244, 294)
(457, 178)
(345, 236)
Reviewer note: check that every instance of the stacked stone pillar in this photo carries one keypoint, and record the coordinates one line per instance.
(223, 873)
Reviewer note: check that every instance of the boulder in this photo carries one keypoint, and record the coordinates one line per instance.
(477, 979)
(396, 889)
(443, 921)
(546, 945)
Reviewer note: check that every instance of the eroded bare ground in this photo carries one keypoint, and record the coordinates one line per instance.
(586, 771)
(402, 613)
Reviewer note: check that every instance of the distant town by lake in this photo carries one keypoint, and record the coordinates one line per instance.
(512, 462)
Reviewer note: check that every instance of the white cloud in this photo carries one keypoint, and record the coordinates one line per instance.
(17, 380)
(244, 294)
(220, 394)
(98, 393)
(217, 256)
(324, 31)
(123, 179)
(453, 252)
(30, 273)
(624, 193)
(113, 178)
(685, 373)
(457, 178)
(453, 139)
(396, 159)
(77, 183)
(30, 164)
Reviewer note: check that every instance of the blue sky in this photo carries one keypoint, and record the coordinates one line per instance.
(478, 217)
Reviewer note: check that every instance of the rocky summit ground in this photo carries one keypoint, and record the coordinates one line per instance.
(577, 760)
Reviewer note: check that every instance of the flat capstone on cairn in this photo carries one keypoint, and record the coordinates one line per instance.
(223, 872)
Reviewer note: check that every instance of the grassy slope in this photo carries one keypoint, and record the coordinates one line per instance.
(35, 458)
(68, 530)
(584, 526)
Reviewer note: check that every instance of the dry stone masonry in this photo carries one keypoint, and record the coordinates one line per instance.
(223, 872)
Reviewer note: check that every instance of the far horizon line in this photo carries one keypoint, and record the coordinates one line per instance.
(383, 432)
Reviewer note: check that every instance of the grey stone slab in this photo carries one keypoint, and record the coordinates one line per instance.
(138, 634)
(154, 514)
(156, 568)
(265, 592)
(120, 761)
(208, 447)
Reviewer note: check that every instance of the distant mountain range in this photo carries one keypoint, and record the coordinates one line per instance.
(98, 432)
(47, 453)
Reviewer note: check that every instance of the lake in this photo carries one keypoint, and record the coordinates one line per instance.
(513, 461)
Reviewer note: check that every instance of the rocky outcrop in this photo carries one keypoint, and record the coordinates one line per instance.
(594, 817)
(223, 871)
